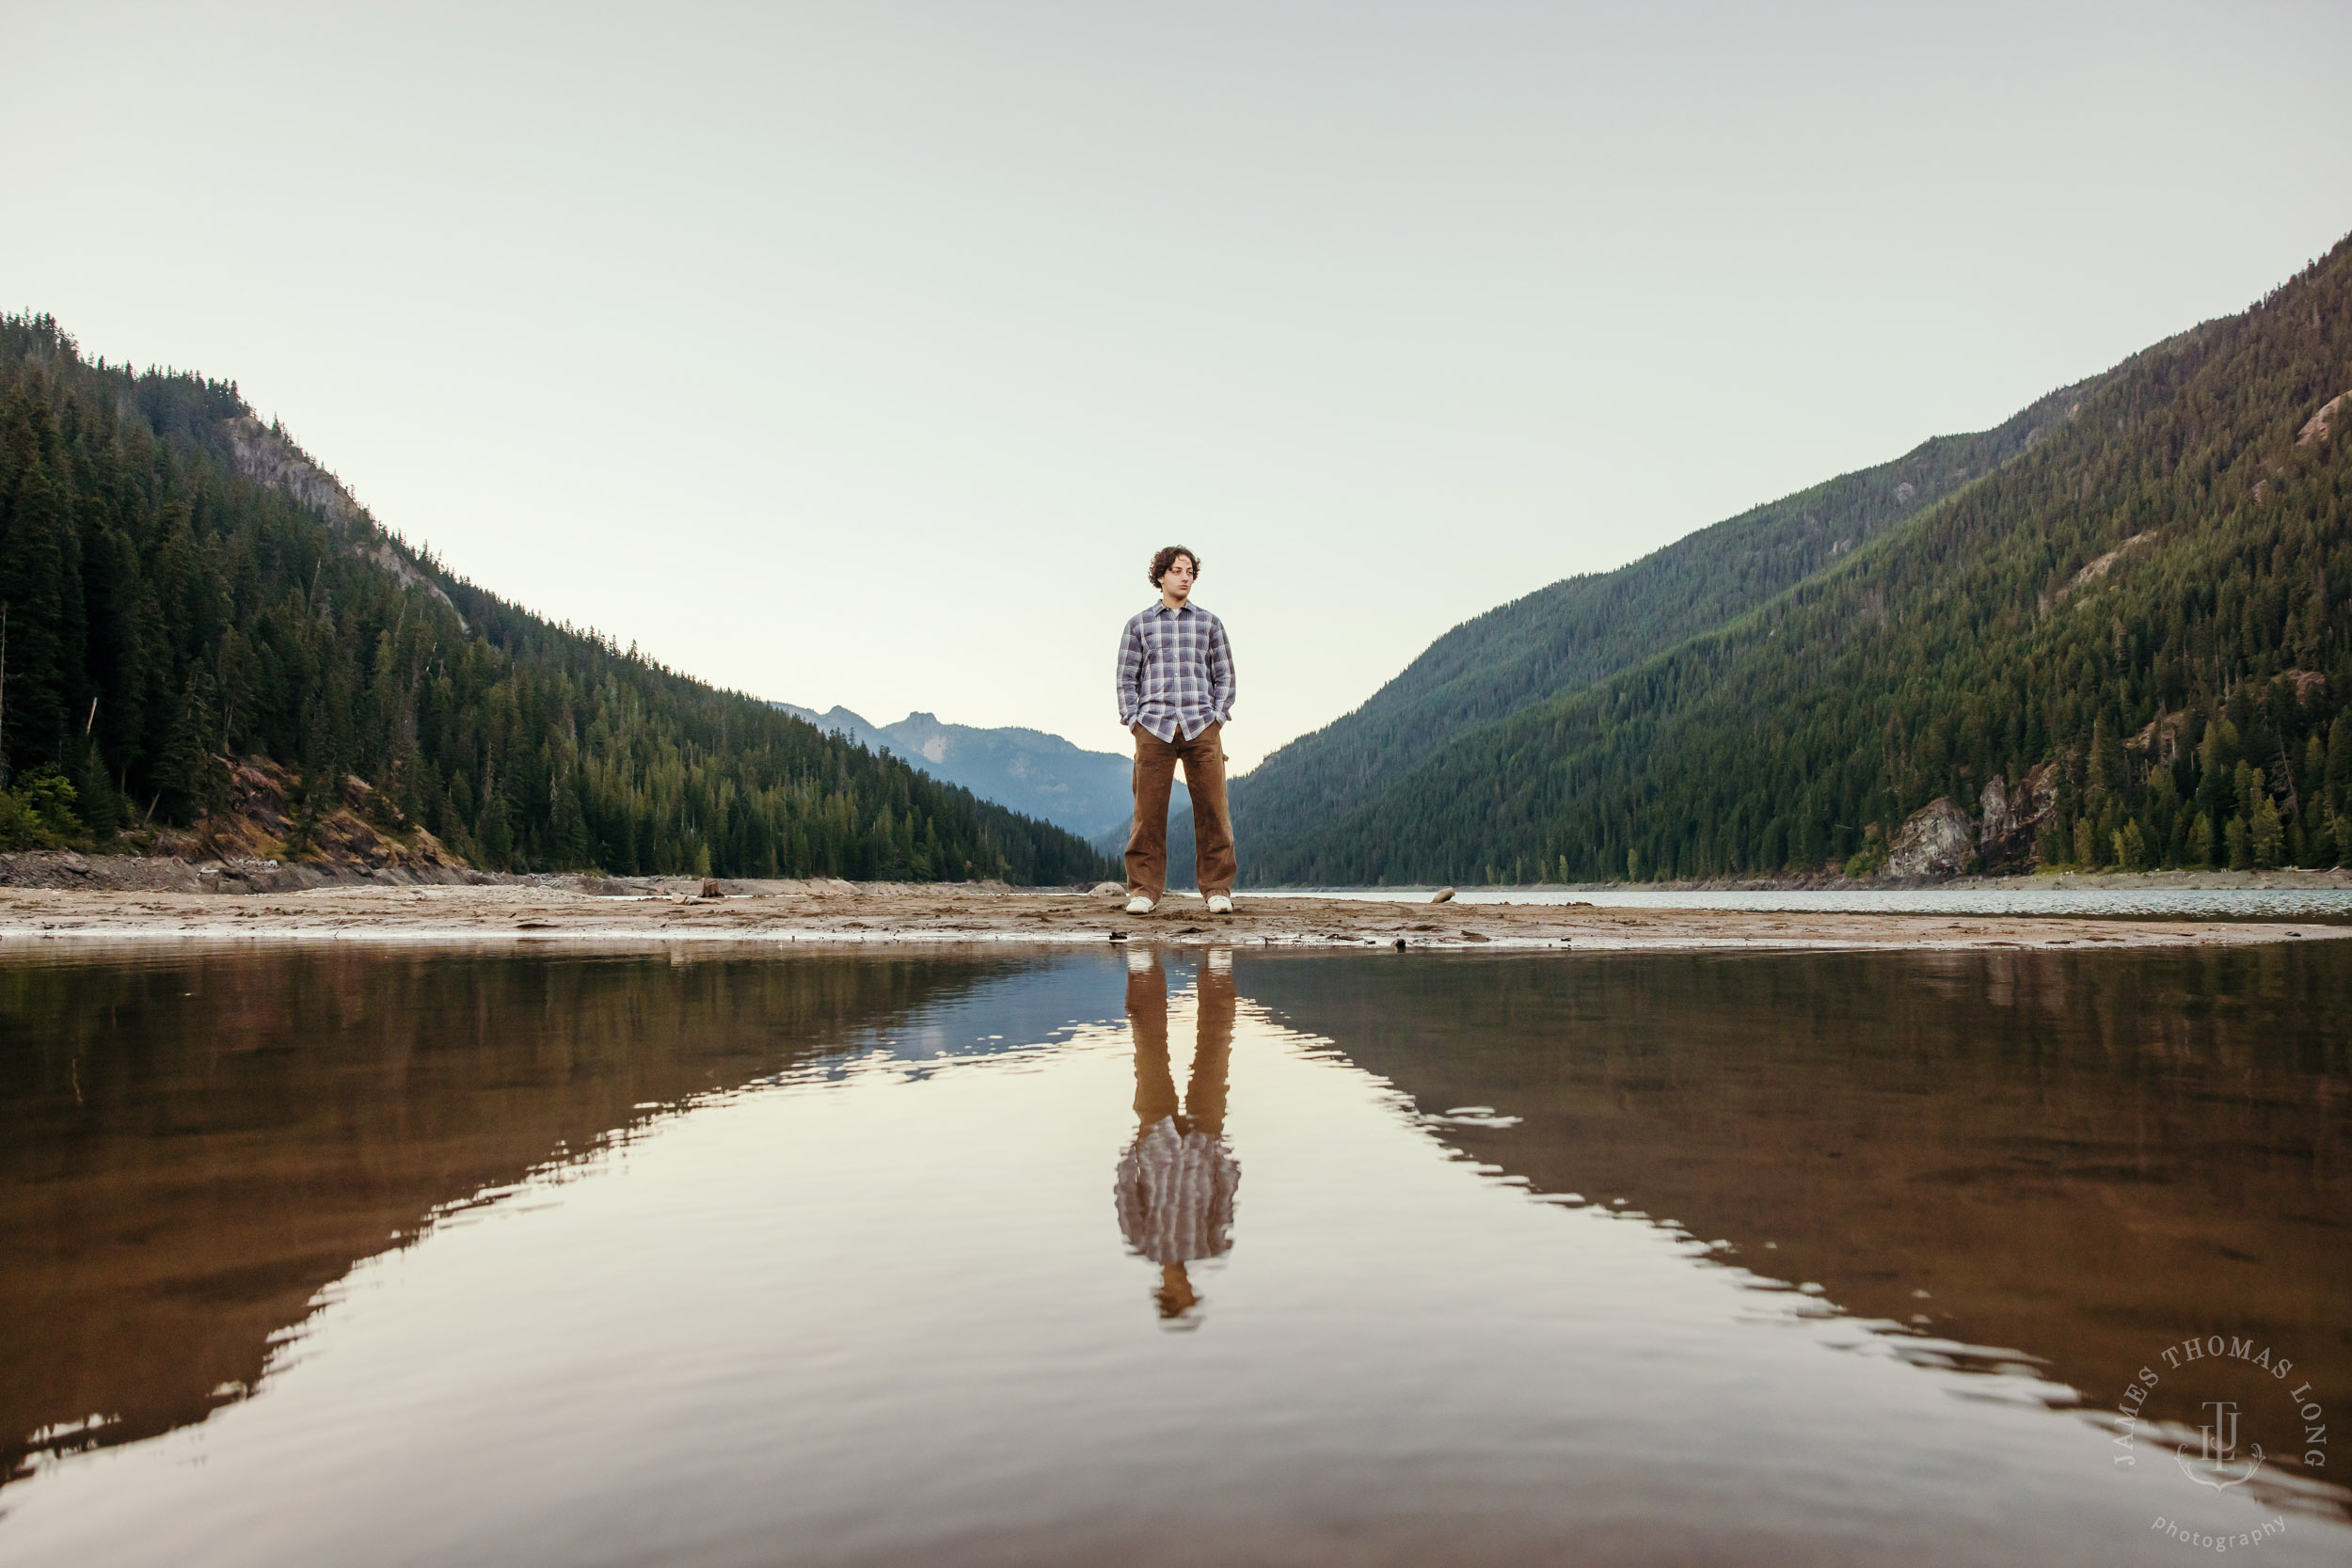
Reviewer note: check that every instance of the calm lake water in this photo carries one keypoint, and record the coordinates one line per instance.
(363, 1256)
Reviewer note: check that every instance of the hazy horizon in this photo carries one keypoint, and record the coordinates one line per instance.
(860, 359)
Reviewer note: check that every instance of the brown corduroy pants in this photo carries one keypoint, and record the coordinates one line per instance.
(1203, 757)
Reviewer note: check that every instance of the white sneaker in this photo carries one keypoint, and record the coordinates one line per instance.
(1220, 904)
(1140, 905)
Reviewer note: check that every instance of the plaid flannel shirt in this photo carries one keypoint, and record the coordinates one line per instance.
(1175, 671)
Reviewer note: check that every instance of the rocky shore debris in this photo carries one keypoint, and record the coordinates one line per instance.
(62, 869)
(771, 915)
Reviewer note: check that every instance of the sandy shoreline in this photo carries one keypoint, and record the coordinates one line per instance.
(841, 914)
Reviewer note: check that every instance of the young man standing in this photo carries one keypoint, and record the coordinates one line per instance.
(1175, 690)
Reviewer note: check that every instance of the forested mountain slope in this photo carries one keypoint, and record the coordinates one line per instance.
(181, 586)
(2148, 606)
(1576, 631)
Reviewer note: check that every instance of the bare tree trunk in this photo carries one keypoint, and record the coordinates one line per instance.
(2295, 804)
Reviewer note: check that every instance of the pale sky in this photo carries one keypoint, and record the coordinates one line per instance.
(862, 353)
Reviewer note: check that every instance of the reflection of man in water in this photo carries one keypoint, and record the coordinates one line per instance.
(1176, 1181)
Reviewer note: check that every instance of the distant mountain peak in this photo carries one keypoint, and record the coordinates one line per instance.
(1090, 793)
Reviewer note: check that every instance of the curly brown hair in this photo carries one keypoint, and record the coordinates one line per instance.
(1167, 558)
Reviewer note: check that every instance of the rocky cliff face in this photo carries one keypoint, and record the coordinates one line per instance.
(2010, 818)
(1935, 841)
(266, 455)
(1939, 840)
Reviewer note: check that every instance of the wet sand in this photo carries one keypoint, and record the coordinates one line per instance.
(840, 912)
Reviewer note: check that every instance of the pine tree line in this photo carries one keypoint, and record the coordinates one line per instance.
(164, 612)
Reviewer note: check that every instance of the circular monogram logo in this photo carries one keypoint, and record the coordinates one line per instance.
(2226, 1422)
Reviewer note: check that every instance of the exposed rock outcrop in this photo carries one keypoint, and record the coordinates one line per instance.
(2306, 682)
(2316, 427)
(268, 456)
(2167, 735)
(1935, 841)
(2011, 817)
(2100, 567)
(362, 831)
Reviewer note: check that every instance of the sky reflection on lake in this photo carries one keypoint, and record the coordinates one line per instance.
(1158, 1257)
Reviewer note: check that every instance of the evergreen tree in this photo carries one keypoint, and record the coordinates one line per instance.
(2266, 837)
(188, 780)
(33, 560)
(2200, 842)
